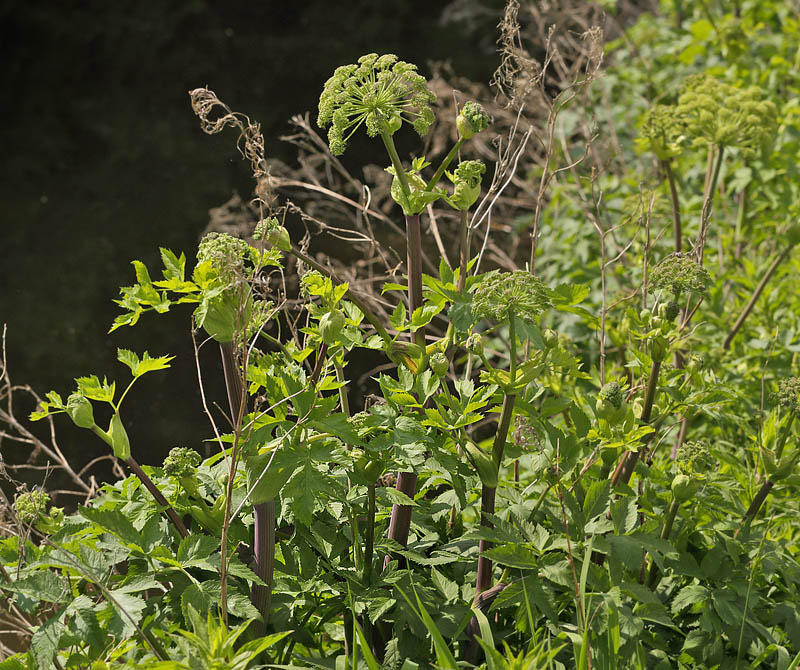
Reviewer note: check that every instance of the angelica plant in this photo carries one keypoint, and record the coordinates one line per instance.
(383, 93)
(504, 297)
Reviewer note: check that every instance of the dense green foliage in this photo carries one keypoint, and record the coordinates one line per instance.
(597, 463)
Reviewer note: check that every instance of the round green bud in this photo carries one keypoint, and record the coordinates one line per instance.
(671, 310)
(484, 465)
(367, 467)
(658, 348)
(80, 411)
(475, 344)
(330, 326)
(181, 462)
(695, 363)
(684, 488)
(550, 338)
(119, 438)
(394, 123)
(472, 119)
(439, 364)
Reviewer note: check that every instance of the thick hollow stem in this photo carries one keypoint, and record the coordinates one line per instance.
(400, 521)
(264, 552)
(628, 462)
(397, 164)
(756, 295)
(488, 495)
(264, 513)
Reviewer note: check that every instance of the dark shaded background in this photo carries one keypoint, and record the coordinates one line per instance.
(104, 161)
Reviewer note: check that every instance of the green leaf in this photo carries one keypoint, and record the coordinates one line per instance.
(42, 585)
(398, 497)
(596, 498)
(90, 387)
(398, 318)
(174, 266)
(146, 364)
(446, 587)
(196, 546)
(514, 556)
(128, 611)
(689, 595)
(45, 641)
(142, 275)
(115, 522)
(444, 657)
(84, 621)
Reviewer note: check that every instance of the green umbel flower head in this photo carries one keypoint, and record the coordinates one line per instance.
(715, 112)
(498, 295)
(181, 462)
(220, 313)
(679, 272)
(226, 253)
(380, 92)
(472, 119)
(661, 132)
(789, 393)
(694, 462)
(467, 180)
(613, 394)
(31, 505)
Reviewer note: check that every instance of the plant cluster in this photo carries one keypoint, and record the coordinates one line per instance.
(566, 457)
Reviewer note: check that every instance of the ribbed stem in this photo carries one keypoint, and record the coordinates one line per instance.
(400, 521)
(488, 495)
(263, 513)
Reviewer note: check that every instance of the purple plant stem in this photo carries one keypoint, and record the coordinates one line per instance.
(263, 513)
(160, 499)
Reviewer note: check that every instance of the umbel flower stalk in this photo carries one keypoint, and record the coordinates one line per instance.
(382, 93)
(230, 313)
(503, 297)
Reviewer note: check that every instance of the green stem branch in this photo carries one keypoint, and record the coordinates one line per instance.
(756, 295)
(447, 160)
